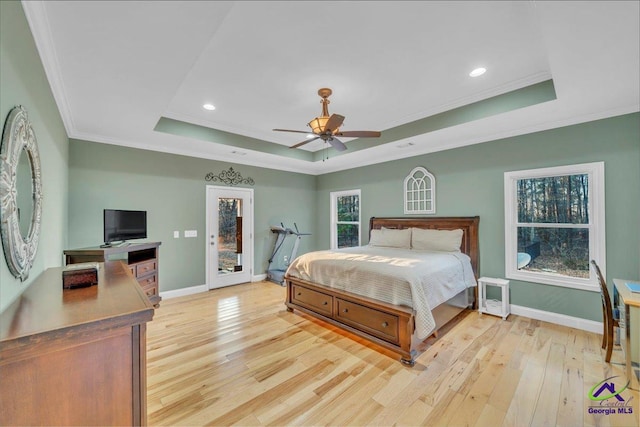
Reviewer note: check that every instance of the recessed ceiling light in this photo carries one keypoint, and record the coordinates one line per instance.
(209, 107)
(478, 72)
(309, 136)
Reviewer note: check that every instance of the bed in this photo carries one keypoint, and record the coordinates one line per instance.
(379, 293)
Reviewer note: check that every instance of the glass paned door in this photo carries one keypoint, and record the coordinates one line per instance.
(229, 225)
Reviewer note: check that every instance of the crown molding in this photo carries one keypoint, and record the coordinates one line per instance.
(327, 167)
(41, 31)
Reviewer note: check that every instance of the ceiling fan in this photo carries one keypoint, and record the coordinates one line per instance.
(327, 127)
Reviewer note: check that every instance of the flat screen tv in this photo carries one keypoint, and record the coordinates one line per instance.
(121, 225)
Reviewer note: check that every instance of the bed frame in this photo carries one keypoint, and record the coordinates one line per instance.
(390, 326)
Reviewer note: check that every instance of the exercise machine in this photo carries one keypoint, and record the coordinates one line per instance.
(282, 255)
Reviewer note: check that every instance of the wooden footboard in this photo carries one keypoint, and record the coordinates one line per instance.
(387, 325)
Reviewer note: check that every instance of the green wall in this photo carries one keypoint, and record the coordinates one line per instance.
(470, 181)
(23, 82)
(171, 189)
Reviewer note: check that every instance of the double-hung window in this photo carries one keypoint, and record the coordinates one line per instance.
(345, 219)
(554, 224)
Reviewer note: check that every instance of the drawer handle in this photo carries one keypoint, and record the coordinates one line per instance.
(299, 293)
(385, 324)
(325, 303)
(346, 310)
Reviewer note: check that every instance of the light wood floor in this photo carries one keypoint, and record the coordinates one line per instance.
(235, 356)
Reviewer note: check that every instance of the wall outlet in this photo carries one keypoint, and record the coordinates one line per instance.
(176, 234)
(190, 233)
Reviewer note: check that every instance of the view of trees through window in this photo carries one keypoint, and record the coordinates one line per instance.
(228, 212)
(553, 225)
(348, 222)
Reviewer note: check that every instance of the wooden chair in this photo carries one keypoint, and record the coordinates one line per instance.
(607, 314)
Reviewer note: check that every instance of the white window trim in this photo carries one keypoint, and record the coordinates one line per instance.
(334, 215)
(431, 190)
(597, 241)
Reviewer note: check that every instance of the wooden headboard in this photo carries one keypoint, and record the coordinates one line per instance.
(469, 226)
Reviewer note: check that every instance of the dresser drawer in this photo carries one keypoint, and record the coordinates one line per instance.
(150, 290)
(313, 300)
(147, 281)
(146, 267)
(374, 322)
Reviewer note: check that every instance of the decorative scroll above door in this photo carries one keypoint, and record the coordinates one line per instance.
(229, 177)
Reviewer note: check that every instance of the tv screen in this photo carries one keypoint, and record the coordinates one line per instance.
(121, 225)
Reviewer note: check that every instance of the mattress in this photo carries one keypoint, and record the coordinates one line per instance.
(418, 279)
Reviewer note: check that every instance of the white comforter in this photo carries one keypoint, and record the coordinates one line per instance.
(418, 279)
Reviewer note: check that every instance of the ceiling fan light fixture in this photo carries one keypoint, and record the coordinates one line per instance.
(327, 127)
(318, 124)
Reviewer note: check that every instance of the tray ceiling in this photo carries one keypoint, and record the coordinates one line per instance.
(137, 73)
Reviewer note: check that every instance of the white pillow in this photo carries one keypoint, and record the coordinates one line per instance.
(436, 240)
(391, 238)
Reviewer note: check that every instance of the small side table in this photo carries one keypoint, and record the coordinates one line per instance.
(492, 307)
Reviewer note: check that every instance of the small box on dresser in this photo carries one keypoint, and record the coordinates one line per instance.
(80, 275)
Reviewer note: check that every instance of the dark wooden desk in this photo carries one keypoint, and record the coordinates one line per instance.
(75, 356)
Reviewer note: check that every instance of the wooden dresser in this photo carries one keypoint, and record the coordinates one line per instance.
(142, 259)
(75, 356)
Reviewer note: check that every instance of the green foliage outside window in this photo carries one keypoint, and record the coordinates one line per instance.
(348, 221)
(564, 202)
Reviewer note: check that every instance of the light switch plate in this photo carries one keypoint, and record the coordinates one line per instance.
(190, 233)
(176, 234)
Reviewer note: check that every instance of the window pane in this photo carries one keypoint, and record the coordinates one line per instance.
(348, 208)
(347, 235)
(554, 199)
(229, 235)
(562, 251)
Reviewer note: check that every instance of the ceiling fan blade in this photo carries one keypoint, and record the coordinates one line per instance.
(337, 144)
(359, 134)
(306, 141)
(296, 131)
(334, 122)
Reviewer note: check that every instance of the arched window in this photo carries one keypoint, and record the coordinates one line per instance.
(420, 192)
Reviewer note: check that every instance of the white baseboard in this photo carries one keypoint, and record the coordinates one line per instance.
(558, 319)
(200, 288)
(184, 291)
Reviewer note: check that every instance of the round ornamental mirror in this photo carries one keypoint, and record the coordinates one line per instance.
(20, 193)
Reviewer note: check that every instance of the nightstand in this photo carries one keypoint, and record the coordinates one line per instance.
(494, 307)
